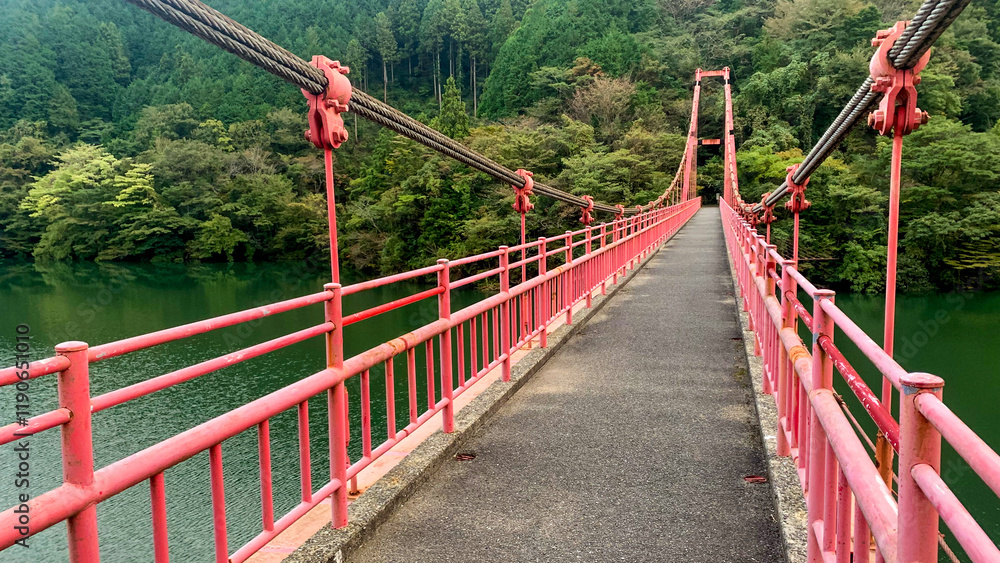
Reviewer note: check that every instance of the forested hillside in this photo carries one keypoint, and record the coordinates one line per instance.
(122, 138)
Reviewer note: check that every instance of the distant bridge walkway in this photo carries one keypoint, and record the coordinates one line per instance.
(630, 444)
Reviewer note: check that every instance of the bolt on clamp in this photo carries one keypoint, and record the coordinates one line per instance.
(768, 217)
(586, 217)
(326, 126)
(898, 108)
(521, 202)
(797, 192)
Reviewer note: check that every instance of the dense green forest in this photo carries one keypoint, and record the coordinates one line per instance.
(123, 138)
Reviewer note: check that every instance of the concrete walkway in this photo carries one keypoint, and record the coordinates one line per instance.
(630, 444)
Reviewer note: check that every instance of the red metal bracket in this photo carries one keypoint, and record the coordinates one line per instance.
(898, 108)
(621, 211)
(521, 202)
(326, 127)
(768, 216)
(797, 201)
(586, 218)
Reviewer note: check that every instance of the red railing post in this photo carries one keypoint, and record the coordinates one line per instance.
(444, 343)
(542, 304)
(567, 285)
(786, 373)
(816, 482)
(919, 443)
(78, 448)
(337, 399)
(588, 269)
(616, 251)
(604, 259)
(751, 291)
(767, 330)
(897, 113)
(505, 312)
(158, 507)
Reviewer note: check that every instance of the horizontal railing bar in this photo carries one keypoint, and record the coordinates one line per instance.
(800, 309)
(112, 349)
(977, 545)
(805, 284)
(525, 246)
(36, 368)
(526, 261)
(883, 362)
(402, 302)
(143, 388)
(16, 431)
(387, 280)
(476, 258)
(777, 257)
(477, 277)
(977, 453)
(883, 420)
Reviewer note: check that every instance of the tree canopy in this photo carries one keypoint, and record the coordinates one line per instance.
(123, 138)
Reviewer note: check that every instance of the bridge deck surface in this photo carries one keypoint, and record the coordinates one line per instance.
(630, 444)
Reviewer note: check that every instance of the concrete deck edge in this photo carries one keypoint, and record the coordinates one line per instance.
(376, 504)
(789, 502)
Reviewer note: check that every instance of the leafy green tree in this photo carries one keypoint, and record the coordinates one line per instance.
(408, 30)
(217, 236)
(502, 25)
(357, 58)
(72, 202)
(453, 121)
(387, 48)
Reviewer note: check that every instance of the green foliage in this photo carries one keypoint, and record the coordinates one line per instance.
(453, 121)
(122, 138)
(615, 52)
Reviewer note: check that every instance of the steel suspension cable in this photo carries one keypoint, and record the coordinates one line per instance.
(927, 25)
(214, 27)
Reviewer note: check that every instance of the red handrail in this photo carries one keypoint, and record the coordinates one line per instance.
(488, 325)
(815, 432)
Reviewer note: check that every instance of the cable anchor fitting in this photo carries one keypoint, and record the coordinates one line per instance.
(621, 211)
(797, 192)
(586, 217)
(326, 126)
(521, 202)
(898, 108)
(768, 216)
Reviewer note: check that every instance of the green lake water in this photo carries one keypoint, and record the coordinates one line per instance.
(956, 336)
(102, 303)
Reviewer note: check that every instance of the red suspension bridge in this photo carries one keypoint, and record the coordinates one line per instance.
(883, 506)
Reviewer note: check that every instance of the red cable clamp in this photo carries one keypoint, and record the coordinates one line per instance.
(621, 211)
(326, 127)
(521, 202)
(586, 219)
(797, 201)
(898, 108)
(768, 216)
